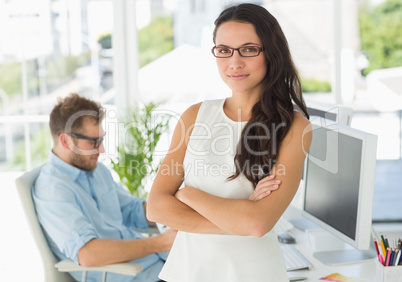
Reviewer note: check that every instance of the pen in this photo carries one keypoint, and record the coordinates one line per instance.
(385, 258)
(386, 242)
(400, 257)
(388, 257)
(397, 258)
(392, 257)
(382, 238)
(376, 246)
(381, 259)
(383, 249)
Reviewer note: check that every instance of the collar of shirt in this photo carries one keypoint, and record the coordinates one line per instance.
(72, 171)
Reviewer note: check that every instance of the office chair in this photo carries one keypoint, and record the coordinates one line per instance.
(54, 269)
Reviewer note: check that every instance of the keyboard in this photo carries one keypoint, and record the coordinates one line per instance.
(294, 260)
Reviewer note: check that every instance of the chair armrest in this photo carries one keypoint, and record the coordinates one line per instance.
(151, 231)
(125, 268)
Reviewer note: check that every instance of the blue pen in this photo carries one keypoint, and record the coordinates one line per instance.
(400, 258)
(391, 257)
(395, 255)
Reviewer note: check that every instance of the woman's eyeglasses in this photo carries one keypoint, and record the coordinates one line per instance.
(97, 141)
(246, 51)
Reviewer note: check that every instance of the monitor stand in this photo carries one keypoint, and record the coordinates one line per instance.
(303, 224)
(338, 252)
(337, 257)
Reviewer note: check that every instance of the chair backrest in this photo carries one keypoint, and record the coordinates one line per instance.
(24, 185)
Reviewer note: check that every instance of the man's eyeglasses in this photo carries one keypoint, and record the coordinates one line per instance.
(246, 51)
(97, 141)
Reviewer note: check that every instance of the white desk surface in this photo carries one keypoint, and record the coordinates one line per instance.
(364, 271)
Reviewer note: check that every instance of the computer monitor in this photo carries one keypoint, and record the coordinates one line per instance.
(339, 187)
(336, 113)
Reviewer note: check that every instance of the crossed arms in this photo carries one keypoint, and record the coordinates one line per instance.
(192, 210)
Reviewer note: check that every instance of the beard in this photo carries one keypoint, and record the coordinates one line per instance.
(84, 162)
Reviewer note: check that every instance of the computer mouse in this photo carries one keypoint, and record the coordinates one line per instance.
(285, 238)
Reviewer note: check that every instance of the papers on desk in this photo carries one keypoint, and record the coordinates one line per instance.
(339, 277)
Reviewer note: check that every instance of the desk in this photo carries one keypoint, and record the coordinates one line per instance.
(364, 271)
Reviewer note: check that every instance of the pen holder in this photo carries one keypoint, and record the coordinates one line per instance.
(388, 273)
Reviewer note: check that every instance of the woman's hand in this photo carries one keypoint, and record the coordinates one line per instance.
(264, 188)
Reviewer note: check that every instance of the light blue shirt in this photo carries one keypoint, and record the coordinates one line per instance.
(75, 206)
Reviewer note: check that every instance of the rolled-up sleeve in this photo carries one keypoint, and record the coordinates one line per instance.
(77, 240)
(132, 209)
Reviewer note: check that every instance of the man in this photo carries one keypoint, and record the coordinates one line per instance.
(86, 216)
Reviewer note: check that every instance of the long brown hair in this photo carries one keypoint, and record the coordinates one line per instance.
(272, 115)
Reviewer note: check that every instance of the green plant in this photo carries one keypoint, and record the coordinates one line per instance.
(380, 29)
(58, 71)
(11, 78)
(313, 85)
(155, 40)
(105, 40)
(135, 153)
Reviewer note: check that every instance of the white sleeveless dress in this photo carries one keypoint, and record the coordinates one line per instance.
(218, 258)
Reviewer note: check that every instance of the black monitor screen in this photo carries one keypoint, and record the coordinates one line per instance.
(332, 179)
(320, 113)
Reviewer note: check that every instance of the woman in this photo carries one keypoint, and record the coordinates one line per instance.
(230, 154)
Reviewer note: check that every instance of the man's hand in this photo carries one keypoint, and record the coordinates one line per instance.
(264, 188)
(167, 239)
(108, 251)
